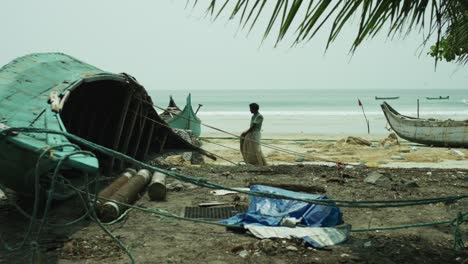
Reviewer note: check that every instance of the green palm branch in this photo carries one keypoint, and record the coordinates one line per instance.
(443, 18)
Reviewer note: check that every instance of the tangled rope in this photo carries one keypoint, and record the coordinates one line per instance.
(89, 198)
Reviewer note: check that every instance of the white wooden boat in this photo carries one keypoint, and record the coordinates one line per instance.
(432, 132)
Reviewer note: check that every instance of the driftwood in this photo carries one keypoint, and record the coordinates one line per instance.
(292, 187)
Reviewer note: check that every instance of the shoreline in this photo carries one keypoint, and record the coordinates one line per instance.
(293, 149)
(300, 136)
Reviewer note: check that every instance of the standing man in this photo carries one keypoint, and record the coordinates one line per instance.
(250, 139)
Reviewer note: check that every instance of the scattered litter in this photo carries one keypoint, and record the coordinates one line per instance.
(367, 244)
(397, 157)
(414, 148)
(318, 237)
(243, 253)
(354, 141)
(373, 177)
(299, 159)
(289, 221)
(429, 173)
(177, 186)
(390, 141)
(405, 150)
(267, 246)
(2, 195)
(378, 179)
(457, 153)
(209, 204)
(411, 184)
(226, 192)
(291, 248)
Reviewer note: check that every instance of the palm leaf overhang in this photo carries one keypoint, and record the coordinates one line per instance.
(455, 39)
(436, 17)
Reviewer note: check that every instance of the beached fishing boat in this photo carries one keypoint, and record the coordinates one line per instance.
(171, 110)
(438, 98)
(186, 119)
(387, 98)
(58, 92)
(439, 133)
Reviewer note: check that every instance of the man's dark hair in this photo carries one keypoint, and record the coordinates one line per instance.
(254, 106)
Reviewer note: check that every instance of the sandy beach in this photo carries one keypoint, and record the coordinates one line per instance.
(284, 148)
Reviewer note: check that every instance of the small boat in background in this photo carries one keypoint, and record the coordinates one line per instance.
(185, 119)
(432, 132)
(465, 101)
(438, 98)
(387, 98)
(171, 110)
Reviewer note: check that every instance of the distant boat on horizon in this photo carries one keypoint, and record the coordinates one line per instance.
(438, 98)
(465, 101)
(387, 98)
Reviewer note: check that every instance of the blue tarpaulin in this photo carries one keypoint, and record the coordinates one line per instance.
(264, 211)
(269, 212)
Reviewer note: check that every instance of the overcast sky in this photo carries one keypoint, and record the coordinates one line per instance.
(167, 47)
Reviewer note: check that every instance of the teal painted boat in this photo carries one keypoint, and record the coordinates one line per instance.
(58, 92)
(171, 110)
(185, 119)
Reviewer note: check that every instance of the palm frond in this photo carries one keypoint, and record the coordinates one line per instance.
(374, 16)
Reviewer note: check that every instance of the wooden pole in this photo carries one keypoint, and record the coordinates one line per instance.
(126, 194)
(418, 107)
(367, 121)
(115, 185)
(157, 187)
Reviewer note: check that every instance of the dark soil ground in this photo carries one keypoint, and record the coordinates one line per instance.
(155, 239)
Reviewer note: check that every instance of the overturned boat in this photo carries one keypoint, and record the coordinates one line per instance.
(438, 133)
(58, 92)
(185, 119)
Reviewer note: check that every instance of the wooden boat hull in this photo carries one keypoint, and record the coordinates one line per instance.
(438, 133)
(58, 92)
(186, 119)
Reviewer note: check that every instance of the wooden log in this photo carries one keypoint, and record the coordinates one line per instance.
(123, 178)
(157, 187)
(292, 187)
(127, 194)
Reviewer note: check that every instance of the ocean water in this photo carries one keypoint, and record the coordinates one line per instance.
(316, 112)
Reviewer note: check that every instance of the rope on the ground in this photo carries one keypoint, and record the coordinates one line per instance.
(34, 223)
(205, 183)
(90, 207)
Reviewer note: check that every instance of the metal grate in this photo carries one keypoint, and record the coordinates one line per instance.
(213, 212)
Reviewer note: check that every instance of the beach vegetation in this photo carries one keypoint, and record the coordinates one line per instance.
(442, 22)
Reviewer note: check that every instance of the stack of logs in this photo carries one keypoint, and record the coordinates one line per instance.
(113, 200)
